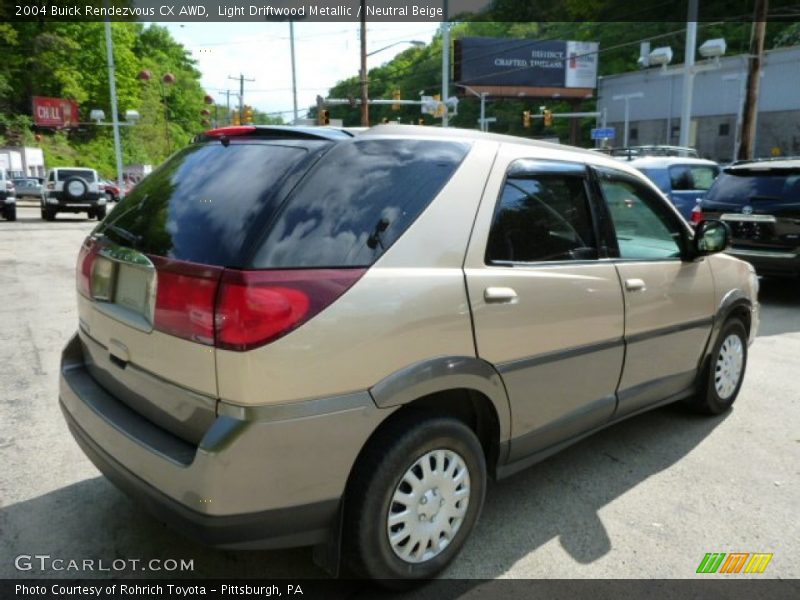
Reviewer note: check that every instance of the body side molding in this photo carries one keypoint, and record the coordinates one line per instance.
(442, 374)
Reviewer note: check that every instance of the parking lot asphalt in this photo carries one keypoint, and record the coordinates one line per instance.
(647, 498)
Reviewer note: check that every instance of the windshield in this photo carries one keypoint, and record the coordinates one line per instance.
(205, 202)
(742, 187)
(692, 177)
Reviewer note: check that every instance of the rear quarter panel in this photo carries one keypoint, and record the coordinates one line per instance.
(410, 306)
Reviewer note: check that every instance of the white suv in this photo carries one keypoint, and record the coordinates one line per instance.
(73, 189)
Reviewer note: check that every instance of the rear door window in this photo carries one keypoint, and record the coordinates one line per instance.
(543, 215)
(357, 201)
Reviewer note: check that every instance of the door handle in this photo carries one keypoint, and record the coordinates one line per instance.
(635, 285)
(500, 295)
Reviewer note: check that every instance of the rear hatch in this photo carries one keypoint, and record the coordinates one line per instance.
(232, 243)
(760, 203)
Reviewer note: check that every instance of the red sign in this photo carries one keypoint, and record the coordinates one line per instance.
(54, 112)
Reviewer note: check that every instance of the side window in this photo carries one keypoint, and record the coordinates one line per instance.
(645, 226)
(543, 215)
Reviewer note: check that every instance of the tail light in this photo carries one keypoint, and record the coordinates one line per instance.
(185, 297)
(697, 214)
(240, 310)
(257, 307)
(83, 270)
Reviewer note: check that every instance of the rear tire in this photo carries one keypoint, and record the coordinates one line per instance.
(422, 481)
(722, 378)
(48, 214)
(11, 213)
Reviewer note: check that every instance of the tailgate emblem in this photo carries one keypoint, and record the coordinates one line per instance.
(747, 210)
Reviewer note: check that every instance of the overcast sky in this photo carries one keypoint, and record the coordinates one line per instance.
(325, 53)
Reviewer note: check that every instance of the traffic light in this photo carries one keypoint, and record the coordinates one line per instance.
(396, 96)
(548, 118)
(235, 118)
(526, 118)
(324, 117)
(248, 114)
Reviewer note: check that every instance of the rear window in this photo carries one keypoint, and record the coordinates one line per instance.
(358, 201)
(207, 202)
(64, 174)
(744, 186)
(685, 178)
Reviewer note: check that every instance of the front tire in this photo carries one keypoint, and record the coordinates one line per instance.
(414, 498)
(99, 212)
(11, 213)
(723, 376)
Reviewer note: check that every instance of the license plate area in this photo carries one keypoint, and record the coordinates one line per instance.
(123, 286)
(751, 227)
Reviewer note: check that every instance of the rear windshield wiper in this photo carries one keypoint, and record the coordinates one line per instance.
(124, 234)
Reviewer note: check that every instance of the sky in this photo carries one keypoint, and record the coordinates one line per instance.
(325, 53)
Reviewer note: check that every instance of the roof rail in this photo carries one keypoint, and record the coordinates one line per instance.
(765, 159)
(631, 152)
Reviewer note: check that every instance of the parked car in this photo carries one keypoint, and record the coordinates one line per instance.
(111, 189)
(8, 198)
(760, 201)
(382, 322)
(28, 187)
(73, 190)
(683, 180)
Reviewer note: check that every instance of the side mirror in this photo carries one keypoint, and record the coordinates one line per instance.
(711, 236)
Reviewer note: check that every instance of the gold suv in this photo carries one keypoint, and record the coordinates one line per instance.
(296, 336)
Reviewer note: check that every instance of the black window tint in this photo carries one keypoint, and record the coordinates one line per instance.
(646, 228)
(357, 201)
(64, 174)
(209, 201)
(540, 217)
(742, 186)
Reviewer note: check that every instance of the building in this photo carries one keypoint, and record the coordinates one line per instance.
(20, 161)
(717, 101)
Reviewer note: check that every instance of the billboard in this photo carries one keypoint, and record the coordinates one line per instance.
(54, 112)
(526, 63)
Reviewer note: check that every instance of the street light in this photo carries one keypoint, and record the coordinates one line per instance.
(482, 95)
(627, 98)
(415, 43)
(363, 74)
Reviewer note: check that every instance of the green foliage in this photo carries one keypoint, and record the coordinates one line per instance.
(68, 60)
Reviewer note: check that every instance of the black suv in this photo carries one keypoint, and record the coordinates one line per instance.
(760, 201)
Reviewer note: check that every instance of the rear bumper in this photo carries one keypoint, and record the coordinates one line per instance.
(62, 202)
(782, 263)
(266, 477)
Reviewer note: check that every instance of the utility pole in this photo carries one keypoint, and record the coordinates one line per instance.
(627, 98)
(445, 62)
(241, 78)
(294, 74)
(112, 84)
(750, 111)
(364, 93)
(228, 106)
(688, 73)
